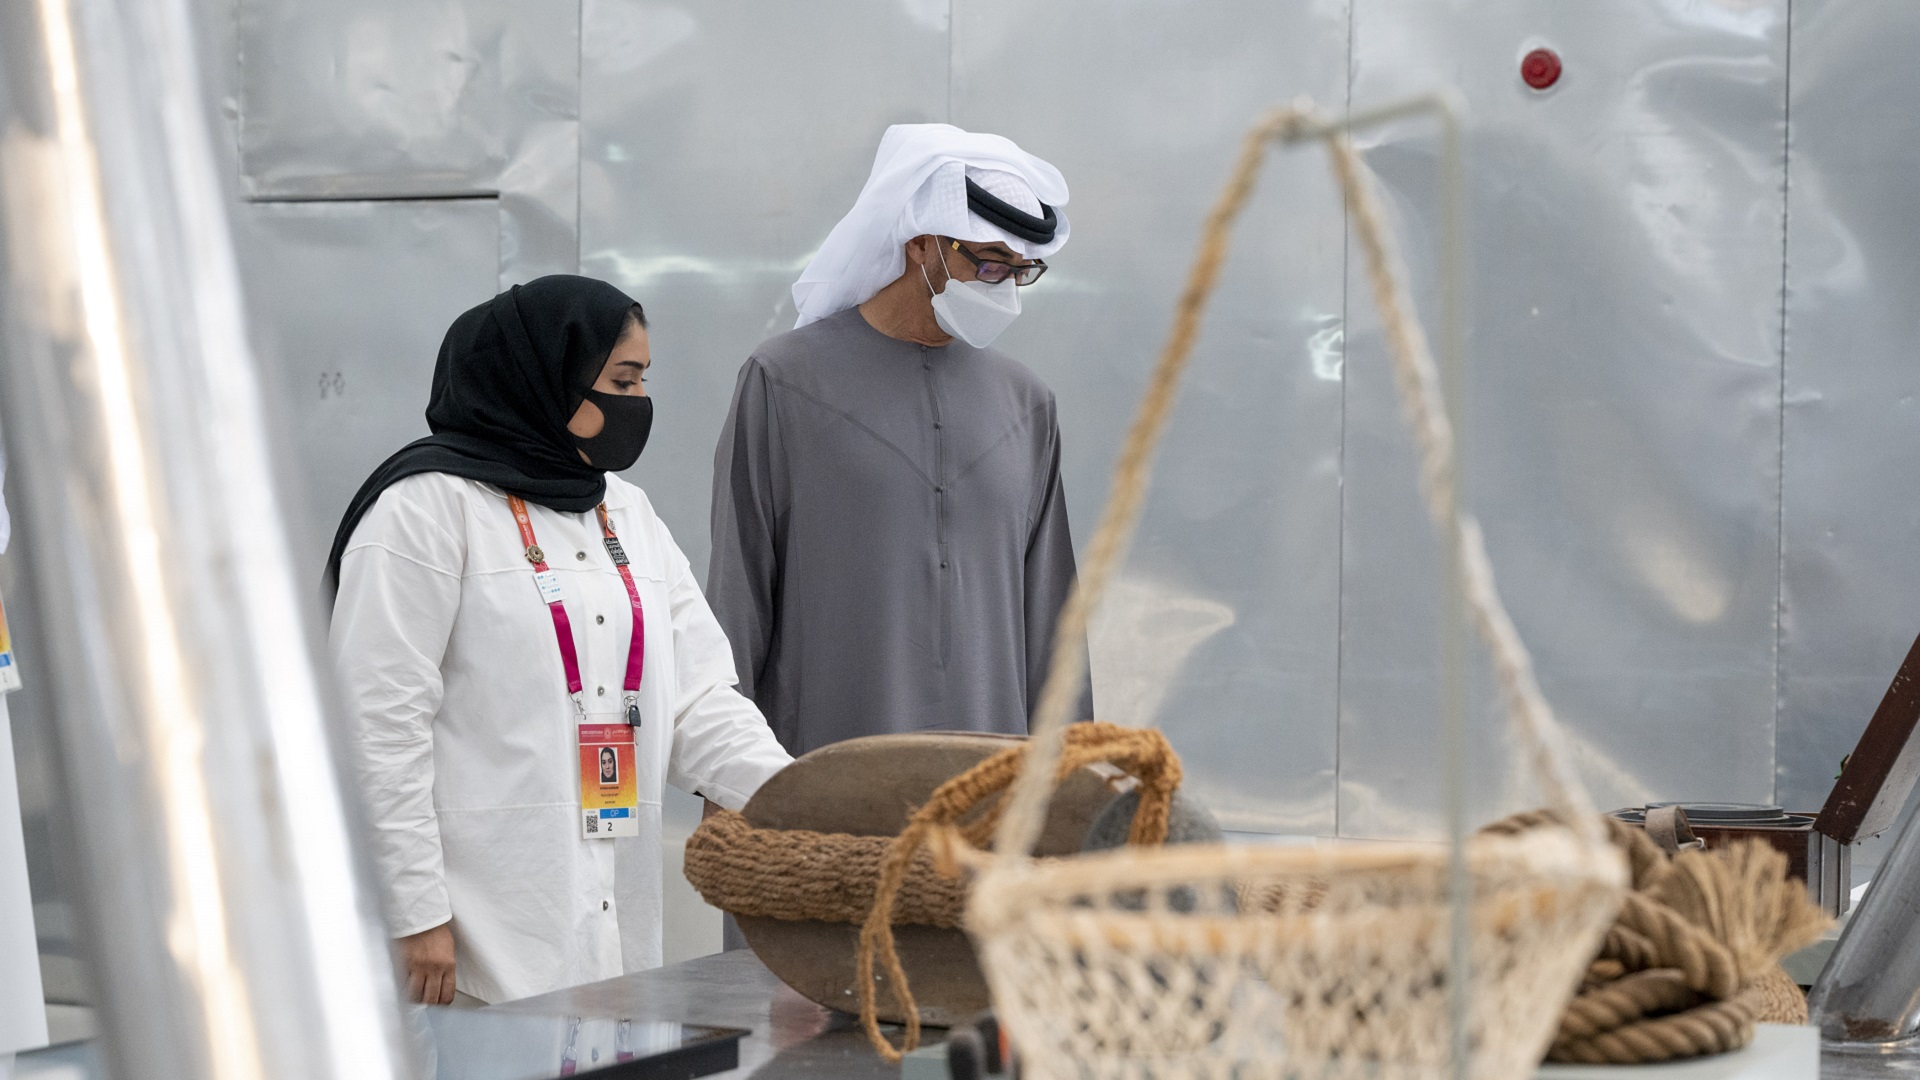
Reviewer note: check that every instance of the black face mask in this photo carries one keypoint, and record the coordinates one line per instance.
(629, 420)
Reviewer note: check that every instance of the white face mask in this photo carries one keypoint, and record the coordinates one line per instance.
(975, 312)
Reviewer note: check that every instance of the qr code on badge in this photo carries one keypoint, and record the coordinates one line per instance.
(593, 823)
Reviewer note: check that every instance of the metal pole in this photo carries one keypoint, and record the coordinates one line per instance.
(1867, 998)
(230, 936)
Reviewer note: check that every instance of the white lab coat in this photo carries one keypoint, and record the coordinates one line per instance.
(23, 1007)
(463, 735)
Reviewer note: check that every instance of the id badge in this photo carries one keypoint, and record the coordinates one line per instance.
(9, 670)
(609, 793)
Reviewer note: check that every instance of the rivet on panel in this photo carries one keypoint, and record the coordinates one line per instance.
(1540, 68)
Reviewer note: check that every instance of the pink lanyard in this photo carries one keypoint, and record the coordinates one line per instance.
(637, 645)
(549, 583)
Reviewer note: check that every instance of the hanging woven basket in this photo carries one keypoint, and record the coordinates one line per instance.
(1265, 961)
(1323, 962)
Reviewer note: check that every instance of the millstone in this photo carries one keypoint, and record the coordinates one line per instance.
(870, 787)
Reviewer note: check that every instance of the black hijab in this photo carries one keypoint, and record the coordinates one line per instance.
(510, 375)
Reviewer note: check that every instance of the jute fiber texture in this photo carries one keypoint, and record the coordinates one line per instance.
(797, 874)
(1328, 962)
(1692, 962)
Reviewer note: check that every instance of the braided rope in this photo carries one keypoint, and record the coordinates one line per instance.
(796, 875)
(1618, 1003)
(1714, 1027)
(1708, 965)
(1629, 949)
(1602, 970)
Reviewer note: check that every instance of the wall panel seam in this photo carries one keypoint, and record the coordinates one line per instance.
(461, 196)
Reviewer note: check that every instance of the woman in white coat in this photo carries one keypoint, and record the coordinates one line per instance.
(509, 617)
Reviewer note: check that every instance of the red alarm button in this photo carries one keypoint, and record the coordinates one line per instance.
(1540, 68)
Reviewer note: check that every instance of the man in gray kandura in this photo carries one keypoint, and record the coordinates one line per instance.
(890, 545)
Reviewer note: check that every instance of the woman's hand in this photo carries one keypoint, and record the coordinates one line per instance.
(428, 958)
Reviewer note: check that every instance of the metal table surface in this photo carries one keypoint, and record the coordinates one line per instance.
(793, 1039)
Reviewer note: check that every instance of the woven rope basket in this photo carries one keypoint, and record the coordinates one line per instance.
(1248, 962)
(1325, 961)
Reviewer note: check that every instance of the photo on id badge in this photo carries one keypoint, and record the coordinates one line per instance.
(609, 793)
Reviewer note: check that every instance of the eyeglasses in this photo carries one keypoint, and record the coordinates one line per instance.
(993, 271)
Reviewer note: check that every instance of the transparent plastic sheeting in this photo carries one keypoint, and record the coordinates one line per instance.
(1224, 627)
(1620, 405)
(1629, 235)
(1277, 616)
(1851, 585)
(204, 829)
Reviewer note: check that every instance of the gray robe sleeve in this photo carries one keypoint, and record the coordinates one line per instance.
(743, 574)
(1050, 575)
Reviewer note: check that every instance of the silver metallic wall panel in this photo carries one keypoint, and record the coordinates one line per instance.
(721, 140)
(350, 301)
(1622, 398)
(420, 98)
(540, 184)
(372, 97)
(1851, 583)
(1224, 628)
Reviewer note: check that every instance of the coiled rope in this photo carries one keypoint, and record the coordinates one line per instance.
(1692, 961)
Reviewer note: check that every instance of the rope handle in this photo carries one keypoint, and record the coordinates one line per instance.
(1418, 382)
(1141, 753)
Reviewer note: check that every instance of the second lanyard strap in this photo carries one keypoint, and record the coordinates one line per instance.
(637, 647)
(551, 593)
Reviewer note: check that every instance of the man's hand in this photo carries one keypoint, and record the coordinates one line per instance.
(428, 959)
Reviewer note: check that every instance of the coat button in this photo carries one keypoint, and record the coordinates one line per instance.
(599, 618)
(602, 691)
(580, 555)
(605, 904)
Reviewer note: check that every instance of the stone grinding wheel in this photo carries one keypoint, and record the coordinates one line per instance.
(870, 787)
